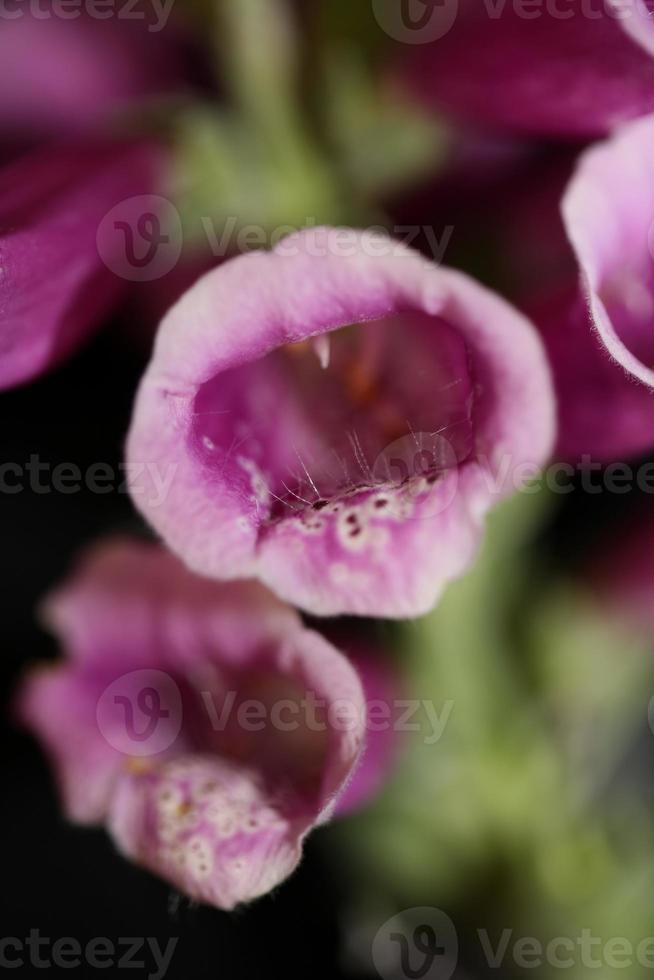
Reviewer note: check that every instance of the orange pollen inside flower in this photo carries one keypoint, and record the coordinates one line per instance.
(360, 379)
(138, 767)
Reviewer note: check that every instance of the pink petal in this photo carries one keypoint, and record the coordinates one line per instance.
(640, 24)
(54, 287)
(608, 211)
(135, 604)
(155, 705)
(208, 827)
(62, 76)
(383, 693)
(554, 71)
(59, 706)
(223, 403)
(603, 412)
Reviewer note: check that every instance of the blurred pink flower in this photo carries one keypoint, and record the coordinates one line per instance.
(603, 412)
(348, 469)
(382, 686)
(54, 286)
(202, 723)
(569, 70)
(62, 76)
(506, 211)
(608, 210)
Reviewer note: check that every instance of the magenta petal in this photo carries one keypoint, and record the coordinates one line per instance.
(603, 412)
(150, 728)
(126, 598)
(54, 287)
(383, 693)
(63, 76)
(608, 211)
(558, 71)
(226, 829)
(350, 473)
(59, 706)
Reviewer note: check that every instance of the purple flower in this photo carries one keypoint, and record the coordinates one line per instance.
(349, 469)
(608, 211)
(568, 70)
(202, 723)
(62, 76)
(603, 412)
(54, 285)
(512, 209)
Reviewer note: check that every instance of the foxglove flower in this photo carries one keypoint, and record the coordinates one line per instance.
(349, 469)
(514, 214)
(55, 287)
(202, 723)
(608, 211)
(571, 70)
(63, 77)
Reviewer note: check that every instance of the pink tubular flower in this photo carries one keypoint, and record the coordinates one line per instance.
(609, 217)
(562, 70)
(202, 723)
(55, 287)
(348, 469)
(603, 412)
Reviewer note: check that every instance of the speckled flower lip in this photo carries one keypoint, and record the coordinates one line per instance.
(338, 422)
(148, 721)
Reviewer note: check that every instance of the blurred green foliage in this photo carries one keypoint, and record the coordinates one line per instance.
(304, 132)
(518, 817)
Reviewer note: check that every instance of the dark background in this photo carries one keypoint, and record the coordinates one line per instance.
(68, 881)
